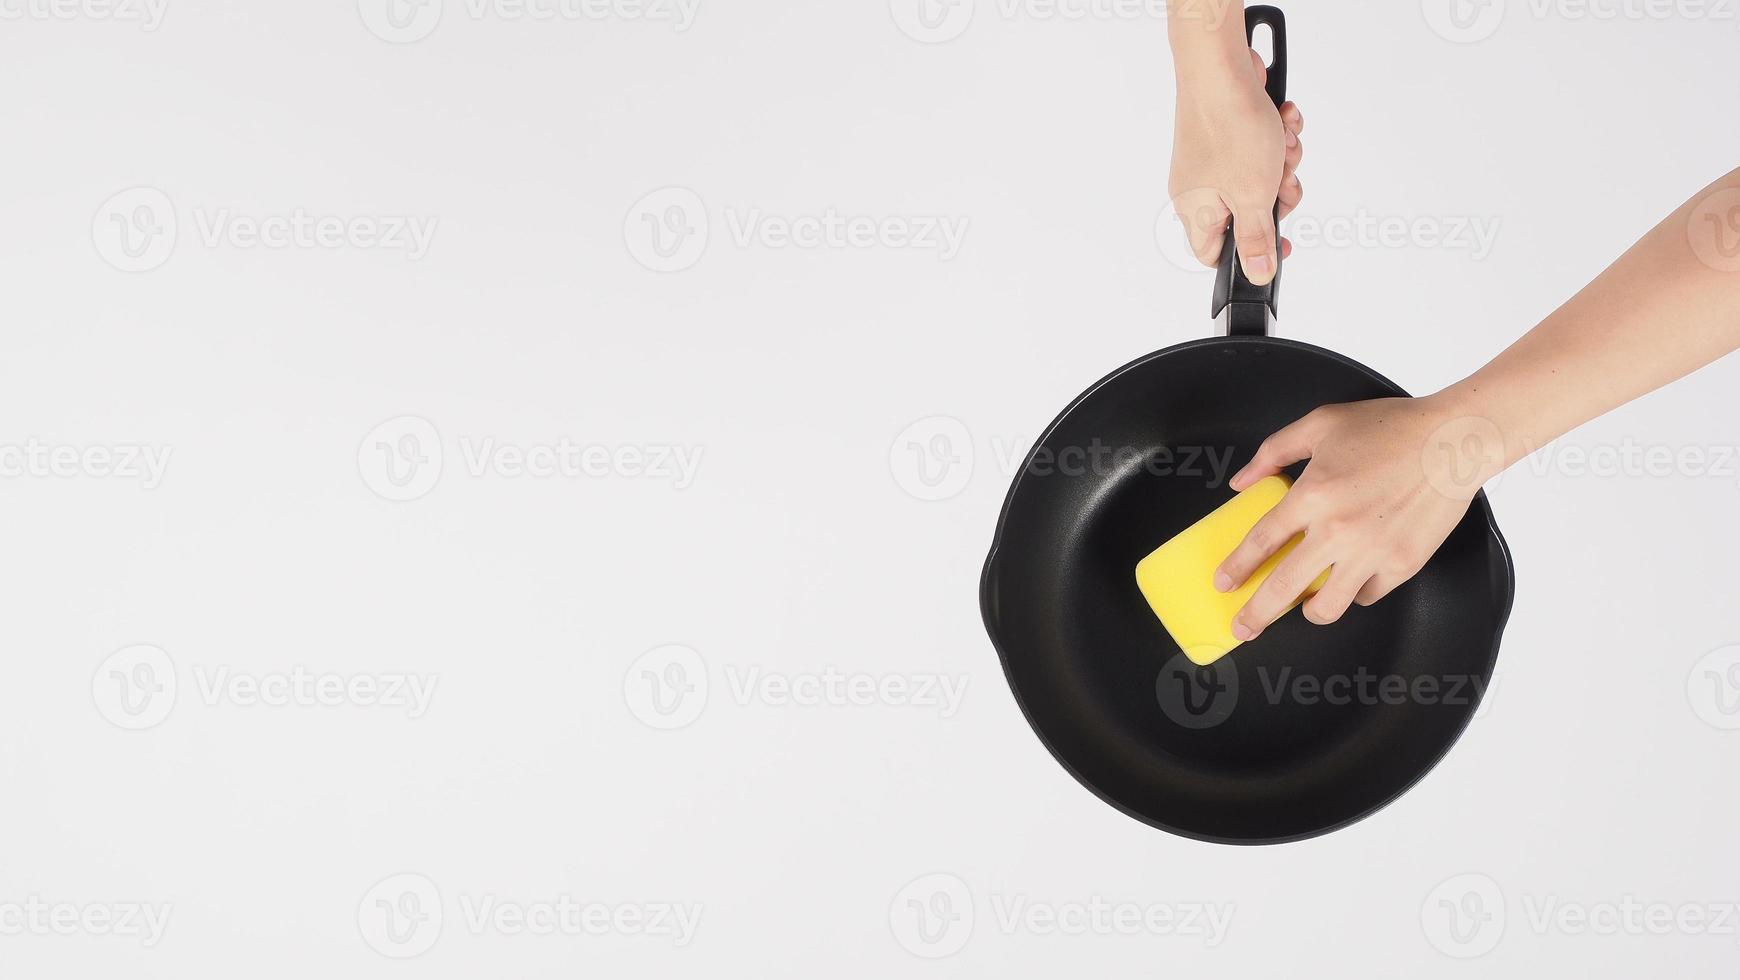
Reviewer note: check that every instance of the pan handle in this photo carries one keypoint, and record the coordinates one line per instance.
(1239, 308)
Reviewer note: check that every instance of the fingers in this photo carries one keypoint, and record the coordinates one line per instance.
(1292, 123)
(1337, 594)
(1376, 588)
(1291, 193)
(1265, 537)
(1391, 578)
(1281, 450)
(1280, 590)
(1292, 120)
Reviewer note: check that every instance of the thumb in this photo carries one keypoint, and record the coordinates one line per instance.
(1254, 233)
(1203, 215)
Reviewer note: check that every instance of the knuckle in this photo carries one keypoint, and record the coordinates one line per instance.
(1261, 538)
(1285, 581)
(1251, 233)
(1404, 559)
(1334, 527)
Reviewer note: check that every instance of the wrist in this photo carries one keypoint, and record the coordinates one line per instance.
(1470, 440)
(1208, 43)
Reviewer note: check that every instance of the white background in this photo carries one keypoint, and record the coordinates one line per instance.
(1600, 772)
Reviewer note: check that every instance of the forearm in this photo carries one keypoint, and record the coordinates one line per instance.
(1658, 313)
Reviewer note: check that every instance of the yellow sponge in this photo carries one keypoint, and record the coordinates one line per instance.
(1177, 578)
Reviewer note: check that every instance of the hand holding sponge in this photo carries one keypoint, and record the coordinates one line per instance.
(1177, 578)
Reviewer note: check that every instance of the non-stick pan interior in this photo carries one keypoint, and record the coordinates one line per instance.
(1301, 731)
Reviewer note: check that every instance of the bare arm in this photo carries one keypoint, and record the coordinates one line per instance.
(1663, 310)
(1389, 479)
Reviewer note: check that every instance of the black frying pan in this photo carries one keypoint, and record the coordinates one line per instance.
(1305, 729)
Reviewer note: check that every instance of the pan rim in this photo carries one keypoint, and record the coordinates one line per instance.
(991, 630)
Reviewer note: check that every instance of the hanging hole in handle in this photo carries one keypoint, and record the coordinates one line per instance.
(1263, 43)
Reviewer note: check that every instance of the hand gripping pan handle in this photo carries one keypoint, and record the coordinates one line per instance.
(1241, 309)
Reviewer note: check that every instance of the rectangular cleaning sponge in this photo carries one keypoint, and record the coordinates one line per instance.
(1177, 578)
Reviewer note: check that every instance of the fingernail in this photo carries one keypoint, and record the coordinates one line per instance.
(1259, 265)
(1222, 582)
(1243, 632)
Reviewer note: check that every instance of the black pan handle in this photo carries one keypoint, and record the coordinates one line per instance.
(1239, 308)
